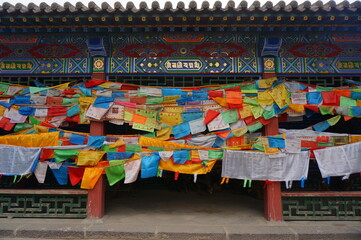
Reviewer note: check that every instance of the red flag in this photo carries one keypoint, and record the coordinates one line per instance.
(210, 115)
(75, 175)
(93, 83)
(6, 124)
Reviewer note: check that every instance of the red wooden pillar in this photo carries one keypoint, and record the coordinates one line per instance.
(96, 196)
(272, 193)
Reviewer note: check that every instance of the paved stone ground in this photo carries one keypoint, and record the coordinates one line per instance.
(184, 214)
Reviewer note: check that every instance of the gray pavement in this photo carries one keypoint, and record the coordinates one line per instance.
(193, 215)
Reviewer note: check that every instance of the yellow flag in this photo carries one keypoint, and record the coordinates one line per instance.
(280, 95)
(41, 129)
(118, 143)
(266, 83)
(270, 151)
(62, 86)
(2, 110)
(89, 157)
(164, 134)
(91, 177)
(221, 101)
(246, 111)
(297, 107)
(171, 119)
(239, 131)
(195, 154)
(170, 99)
(264, 98)
(32, 140)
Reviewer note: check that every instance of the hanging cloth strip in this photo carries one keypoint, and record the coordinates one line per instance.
(259, 166)
(339, 161)
(18, 160)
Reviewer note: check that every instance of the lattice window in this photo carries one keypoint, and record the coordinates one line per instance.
(321, 208)
(181, 81)
(324, 81)
(43, 205)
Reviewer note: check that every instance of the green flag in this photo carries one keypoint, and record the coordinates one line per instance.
(115, 173)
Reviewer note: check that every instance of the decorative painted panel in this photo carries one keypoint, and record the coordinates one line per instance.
(181, 53)
(319, 65)
(45, 65)
(184, 65)
(43, 50)
(184, 45)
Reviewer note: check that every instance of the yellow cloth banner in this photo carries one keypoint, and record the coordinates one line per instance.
(151, 142)
(192, 168)
(32, 140)
(89, 157)
(91, 177)
(355, 138)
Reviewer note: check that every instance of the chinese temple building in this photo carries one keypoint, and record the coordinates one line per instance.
(94, 51)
